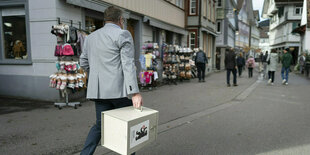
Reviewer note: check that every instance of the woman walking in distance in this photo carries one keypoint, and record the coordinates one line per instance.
(272, 61)
(250, 63)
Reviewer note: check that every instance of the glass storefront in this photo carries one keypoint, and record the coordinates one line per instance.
(14, 36)
(93, 24)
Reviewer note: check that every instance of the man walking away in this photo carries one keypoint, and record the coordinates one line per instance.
(240, 63)
(286, 63)
(201, 61)
(108, 55)
(272, 60)
(250, 64)
(231, 65)
(302, 61)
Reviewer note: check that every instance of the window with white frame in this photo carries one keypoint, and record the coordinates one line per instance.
(192, 7)
(298, 10)
(219, 26)
(192, 40)
(13, 36)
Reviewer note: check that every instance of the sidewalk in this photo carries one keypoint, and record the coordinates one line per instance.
(53, 131)
(266, 120)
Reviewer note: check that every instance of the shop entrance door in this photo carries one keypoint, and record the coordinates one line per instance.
(131, 27)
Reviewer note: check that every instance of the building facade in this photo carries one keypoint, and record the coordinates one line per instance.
(255, 32)
(284, 17)
(264, 36)
(201, 25)
(226, 26)
(30, 22)
(245, 22)
(304, 29)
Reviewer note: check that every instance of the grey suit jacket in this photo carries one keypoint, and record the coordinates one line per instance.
(108, 55)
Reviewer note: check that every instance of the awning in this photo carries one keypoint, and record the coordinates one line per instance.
(94, 5)
(300, 29)
(164, 26)
(209, 31)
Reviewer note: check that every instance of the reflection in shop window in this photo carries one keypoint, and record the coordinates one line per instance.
(14, 34)
(93, 24)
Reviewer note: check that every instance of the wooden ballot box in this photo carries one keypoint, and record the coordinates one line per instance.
(126, 130)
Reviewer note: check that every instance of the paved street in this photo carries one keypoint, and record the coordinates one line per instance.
(195, 118)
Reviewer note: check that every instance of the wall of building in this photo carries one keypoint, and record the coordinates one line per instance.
(231, 37)
(221, 35)
(147, 33)
(157, 9)
(282, 34)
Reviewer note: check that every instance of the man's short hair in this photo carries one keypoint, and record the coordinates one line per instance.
(112, 14)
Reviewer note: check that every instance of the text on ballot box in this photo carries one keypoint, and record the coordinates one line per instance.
(126, 130)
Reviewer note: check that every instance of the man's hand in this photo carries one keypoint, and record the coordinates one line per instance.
(137, 100)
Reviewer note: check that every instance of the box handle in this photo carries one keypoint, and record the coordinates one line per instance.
(139, 109)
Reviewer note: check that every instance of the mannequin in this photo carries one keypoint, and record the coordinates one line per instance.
(18, 49)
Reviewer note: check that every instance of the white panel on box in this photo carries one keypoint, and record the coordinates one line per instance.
(139, 133)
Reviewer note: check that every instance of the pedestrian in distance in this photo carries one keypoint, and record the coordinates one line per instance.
(302, 60)
(250, 63)
(272, 61)
(201, 61)
(265, 64)
(231, 66)
(108, 55)
(240, 63)
(286, 64)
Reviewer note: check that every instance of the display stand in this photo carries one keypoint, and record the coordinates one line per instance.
(148, 61)
(185, 66)
(69, 76)
(67, 103)
(171, 64)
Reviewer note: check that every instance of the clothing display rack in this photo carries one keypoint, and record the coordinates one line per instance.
(186, 63)
(170, 64)
(69, 75)
(148, 59)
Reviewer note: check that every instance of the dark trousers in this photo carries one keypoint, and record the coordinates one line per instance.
(201, 67)
(234, 72)
(240, 70)
(250, 72)
(271, 75)
(285, 72)
(94, 134)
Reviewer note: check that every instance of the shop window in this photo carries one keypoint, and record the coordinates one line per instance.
(93, 24)
(192, 40)
(192, 8)
(13, 34)
(298, 10)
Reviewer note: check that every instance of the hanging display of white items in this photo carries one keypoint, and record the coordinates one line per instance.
(69, 75)
(176, 63)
